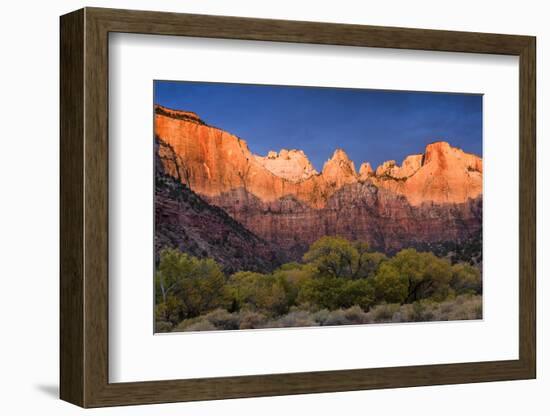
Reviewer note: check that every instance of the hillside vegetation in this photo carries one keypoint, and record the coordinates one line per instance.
(338, 282)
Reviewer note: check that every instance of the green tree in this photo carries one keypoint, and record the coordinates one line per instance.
(257, 291)
(333, 256)
(368, 262)
(173, 265)
(357, 292)
(437, 279)
(292, 277)
(323, 292)
(337, 257)
(390, 285)
(334, 293)
(466, 279)
(187, 286)
(425, 274)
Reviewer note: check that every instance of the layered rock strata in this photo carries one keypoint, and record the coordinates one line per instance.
(281, 198)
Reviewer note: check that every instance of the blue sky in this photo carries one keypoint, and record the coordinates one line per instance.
(370, 125)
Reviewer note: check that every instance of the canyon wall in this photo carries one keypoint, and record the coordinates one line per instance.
(433, 196)
(186, 221)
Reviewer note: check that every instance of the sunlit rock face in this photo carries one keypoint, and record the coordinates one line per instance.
(443, 174)
(292, 165)
(365, 171)
(280, 197)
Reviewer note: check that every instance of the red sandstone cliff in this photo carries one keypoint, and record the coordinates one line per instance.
(186, 221)
(217, 162)
(434, 196)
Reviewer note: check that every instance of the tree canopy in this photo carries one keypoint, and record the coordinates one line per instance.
(334, 274)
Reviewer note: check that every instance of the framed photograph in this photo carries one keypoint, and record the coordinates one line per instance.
(257, 207)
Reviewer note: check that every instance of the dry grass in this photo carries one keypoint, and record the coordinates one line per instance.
(465, 307)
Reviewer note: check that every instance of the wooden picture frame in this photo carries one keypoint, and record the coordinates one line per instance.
(84, 207)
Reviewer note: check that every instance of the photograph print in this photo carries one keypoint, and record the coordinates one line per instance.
(290, 206)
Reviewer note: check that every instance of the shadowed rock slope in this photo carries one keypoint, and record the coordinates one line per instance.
(186, 221)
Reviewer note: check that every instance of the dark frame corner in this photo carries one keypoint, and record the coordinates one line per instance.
(84, 207)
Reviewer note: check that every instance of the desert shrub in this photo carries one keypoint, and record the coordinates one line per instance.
(463, 307)
(355, 315)
(251, 320)
(201, 325)
(321, 316)
(459, 308)
(222, 319)
(171, 310)
(459, 300)
(198, 323)
(477, 309)
(337, 317)
(382, 313)
(446, 307)
(421, 311)
(403, 314)
(163, 326)
(467, 307)
(350, 316)
(294, 319)
(459, 314)
(305, 306)
(183, 325)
